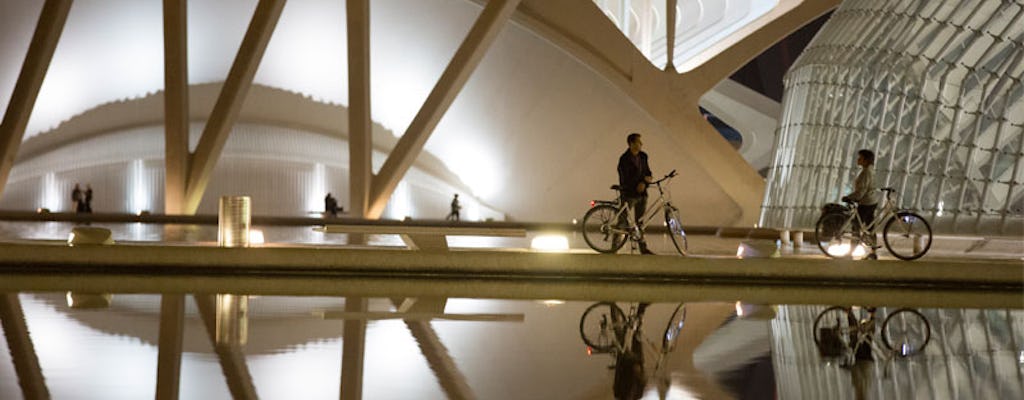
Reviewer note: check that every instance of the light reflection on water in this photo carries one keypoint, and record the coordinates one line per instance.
(291, 352)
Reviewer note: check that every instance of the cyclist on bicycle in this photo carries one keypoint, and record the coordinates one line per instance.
(864, 193)
(634, 175)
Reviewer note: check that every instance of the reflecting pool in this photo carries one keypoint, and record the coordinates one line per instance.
(218, 346)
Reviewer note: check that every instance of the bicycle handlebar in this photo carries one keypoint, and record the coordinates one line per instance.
(671, 174)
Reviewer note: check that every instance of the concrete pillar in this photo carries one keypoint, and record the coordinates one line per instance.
(360, 134)
(176, 115)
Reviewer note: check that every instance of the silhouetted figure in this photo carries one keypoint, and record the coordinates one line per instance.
(454, 215)
(331, 205)
(88, 198)
(78, 199)
(634, 175)
(865, 195)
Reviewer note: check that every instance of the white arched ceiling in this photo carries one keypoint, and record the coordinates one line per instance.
(535, 132)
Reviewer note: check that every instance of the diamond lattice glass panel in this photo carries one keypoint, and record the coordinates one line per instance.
(933, 88)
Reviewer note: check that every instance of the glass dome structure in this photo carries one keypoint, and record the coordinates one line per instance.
(933, 88)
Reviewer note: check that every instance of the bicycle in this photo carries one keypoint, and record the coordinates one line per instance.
(608, 223)
(843, 332)
(605, 328)
(907, 235)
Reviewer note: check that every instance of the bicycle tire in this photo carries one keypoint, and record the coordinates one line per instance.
(597, 224)
(907, 334)
(675, 229)
(672, 329)
(829, 230)
(900, 235)
(599, 322)
(833, 327)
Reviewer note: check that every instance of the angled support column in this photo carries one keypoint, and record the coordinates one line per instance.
(172, 330)
(26, 90)
(670, 35)
(360, 138)
(232, 95)
(232, 360)
(26, 363)
(176, 154)
(445, 370)
(353, 350)
(480, 37)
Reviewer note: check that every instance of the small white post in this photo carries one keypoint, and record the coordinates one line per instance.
(798, 238)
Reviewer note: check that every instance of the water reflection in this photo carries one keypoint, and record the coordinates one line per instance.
(210, 346)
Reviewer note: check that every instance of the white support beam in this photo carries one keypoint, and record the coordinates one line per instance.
(360, 138)
(479, 39)
(30, 79)
(232, 96)
(23, 353)
(670, 35)
(172, 332)
(353, 351)
(232, 360)
(176, 117)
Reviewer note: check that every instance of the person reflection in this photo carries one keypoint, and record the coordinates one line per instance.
(630, 375)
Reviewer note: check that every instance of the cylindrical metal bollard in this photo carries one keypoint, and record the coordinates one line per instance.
(798, 238)
(232, 319)
(233, 222)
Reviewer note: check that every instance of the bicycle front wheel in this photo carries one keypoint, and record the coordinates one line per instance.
(907, 236)
(675, 325)
(906, 332)
(599, 229)
(833, 329)
(675, 229)
(832, 237)
(602, 326)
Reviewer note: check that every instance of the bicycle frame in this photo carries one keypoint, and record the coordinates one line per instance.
(653, 210)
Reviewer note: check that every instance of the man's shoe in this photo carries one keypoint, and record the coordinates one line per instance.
(644, 251)
(872, 256)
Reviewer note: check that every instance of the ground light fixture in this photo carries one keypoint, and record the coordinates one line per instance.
(550, 243)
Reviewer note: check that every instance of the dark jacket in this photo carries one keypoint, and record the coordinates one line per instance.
(631, 173)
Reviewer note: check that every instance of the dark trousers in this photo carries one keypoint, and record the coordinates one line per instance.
(867, 216)
(639, 205)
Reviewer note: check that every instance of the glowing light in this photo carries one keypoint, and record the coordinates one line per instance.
(739, 309)
(50, 195)
(939, 212)
(550, 243)
(139, 189)
(739, 251)
(317, 188)
(859, 251)
(255, 237)
(400, 204)
(839, 249)
(552, 303)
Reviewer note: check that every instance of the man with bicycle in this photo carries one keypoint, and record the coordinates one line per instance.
(864, 193)
(634, 175)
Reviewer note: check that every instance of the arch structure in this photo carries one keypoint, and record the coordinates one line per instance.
(521, 105)
(934, 89)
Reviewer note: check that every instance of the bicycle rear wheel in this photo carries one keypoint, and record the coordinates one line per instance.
(906, 332)
(602, 326)
(675, 229)
(675, 325)
(832, 331)
(599, 229)
(832, 236)
(907, 236)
